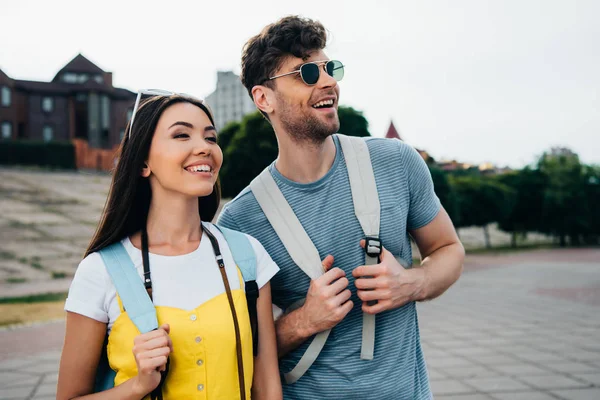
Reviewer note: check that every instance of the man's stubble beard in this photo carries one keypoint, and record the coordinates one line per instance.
(306, 128)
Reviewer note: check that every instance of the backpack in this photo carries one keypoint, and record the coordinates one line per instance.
(140, 308)
(302, 250)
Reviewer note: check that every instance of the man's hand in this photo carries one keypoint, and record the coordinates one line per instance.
(388, 283)
(327, 301)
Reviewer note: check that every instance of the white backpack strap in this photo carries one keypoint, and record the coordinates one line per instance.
(286, 224)
(367, 210)
(300, 248)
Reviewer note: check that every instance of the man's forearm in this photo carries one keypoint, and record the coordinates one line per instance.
(440, 270)
(292, 331)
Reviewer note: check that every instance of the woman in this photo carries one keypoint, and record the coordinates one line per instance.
(164, 187)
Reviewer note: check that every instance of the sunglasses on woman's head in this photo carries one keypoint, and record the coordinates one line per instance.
(154, 92)
(311, 71)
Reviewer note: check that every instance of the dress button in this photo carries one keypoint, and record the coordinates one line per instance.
(198, 339)
(200, 387)
(193, 317)
(199, 362)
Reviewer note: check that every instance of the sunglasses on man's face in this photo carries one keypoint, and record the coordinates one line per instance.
(311, 71)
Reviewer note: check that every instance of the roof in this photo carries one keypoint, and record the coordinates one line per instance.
(80, 64)
(70, 88)
(392, 133)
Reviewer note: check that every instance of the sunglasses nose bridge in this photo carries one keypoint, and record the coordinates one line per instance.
(325, 80)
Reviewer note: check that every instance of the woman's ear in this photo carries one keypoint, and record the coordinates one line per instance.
(146, 170)
(263, 98)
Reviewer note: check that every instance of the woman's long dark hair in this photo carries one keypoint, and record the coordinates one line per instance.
(128, 202)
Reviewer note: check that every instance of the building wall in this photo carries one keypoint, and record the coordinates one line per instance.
(230, 100)
(37, 118)
(119, 118)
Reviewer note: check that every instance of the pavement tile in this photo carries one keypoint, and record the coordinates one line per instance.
(15, 393)
(470, 372)
(519, 369)
(523, 396)
(48, 389)
(450, 386)
(14, 377)
(499, 384)
(447, 362)
(578, 394)
(571, 367)
(500, 359)
(43, 368)
(434, 374)
(552, 382)
(593, 378)
(477, 396)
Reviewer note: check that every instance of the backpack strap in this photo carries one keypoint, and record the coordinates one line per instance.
(367, 210)
(300, 248)
(245, 259)
(130, 287)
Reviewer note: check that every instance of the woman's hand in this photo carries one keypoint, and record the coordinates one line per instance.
(151, 351)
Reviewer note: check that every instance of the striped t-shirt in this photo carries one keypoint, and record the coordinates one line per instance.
(326, 211)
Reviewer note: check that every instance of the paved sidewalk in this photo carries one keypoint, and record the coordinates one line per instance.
(514, 327)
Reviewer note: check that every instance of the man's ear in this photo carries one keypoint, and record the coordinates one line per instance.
(146, 170)
(263, 98)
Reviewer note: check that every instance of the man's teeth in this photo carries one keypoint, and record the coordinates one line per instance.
(323, 103)
(199, 168)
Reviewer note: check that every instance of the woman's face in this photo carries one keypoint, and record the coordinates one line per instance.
(184, 155)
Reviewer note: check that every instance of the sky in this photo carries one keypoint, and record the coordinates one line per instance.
(471, 80)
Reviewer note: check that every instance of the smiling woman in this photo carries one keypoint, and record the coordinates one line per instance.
(156, 266)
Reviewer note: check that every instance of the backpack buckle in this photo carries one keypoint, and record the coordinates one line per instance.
(373, 246)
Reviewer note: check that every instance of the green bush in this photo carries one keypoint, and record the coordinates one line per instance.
(59, 155)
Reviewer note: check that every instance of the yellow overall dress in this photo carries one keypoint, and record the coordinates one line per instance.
(203, 364)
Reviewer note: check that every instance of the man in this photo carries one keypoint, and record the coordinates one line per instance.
(311, 173)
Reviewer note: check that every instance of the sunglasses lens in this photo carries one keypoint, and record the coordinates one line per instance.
(310, 73)
(335, 68)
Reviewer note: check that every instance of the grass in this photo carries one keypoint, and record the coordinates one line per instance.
(35, 298)
(20, 313)
(58, 275)
(37, 265)
(7, 255)
(15, 280)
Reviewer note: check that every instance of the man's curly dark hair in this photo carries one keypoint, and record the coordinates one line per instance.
(264, 53)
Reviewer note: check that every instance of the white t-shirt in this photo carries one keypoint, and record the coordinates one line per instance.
(184, 281)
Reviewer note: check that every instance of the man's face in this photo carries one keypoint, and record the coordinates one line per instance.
(306, 112)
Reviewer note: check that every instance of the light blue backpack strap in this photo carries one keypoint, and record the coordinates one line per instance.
(130, 287)
(242, 252)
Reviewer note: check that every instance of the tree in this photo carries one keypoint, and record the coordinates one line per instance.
(250, 146)
(564, 205)
(445, 192)
(526, 214)
(352, 122)
(481, 201)
(251, 149)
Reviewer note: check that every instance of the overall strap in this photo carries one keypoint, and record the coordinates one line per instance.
(236, 326)
(245, 258)
(300, 248)
(368, 213)
(130, 287)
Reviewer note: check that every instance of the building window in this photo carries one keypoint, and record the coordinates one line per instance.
(99, 79)
(82, 78)
(6, 130)
(70, 77)
(121, 134)
(129, 114)
(48, 133)
(6, 96)
(47, 104)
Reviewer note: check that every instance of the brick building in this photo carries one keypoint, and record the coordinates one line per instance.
(80, 105)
